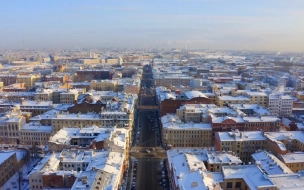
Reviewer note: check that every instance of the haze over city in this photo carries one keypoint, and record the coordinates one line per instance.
(275, 25)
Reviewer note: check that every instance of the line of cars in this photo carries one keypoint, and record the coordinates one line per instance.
(134, 178)
(163, 176)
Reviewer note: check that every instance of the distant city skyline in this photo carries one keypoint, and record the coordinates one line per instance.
(273, 25)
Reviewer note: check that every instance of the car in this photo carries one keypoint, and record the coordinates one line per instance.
(160, 183)
(148, 151)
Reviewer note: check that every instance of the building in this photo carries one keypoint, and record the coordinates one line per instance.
(104, 85)
(28, 79)
(194, 112)
(16, 87)
(17, 96)
(10, 124)
(280, 105)
(44, 95)
(226, 100)
(10, 163)
(293, 160)
(35, 107)
(244, 144)
(35, 134)
(270, 164)
(69, 96)
(65, 119)
(260, 98)
(176, 133)
(246, 177)
(79, 138)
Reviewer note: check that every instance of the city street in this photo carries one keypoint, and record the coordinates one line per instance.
(147, 153)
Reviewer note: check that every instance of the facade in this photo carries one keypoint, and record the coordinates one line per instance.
(35, 107)
(8, 166)
(225, 100)
(280, 105)
(104, 85)
(35, 134)
(69, 96)
(16, 87)
(10, 125)
(294, 161)
(29, 80)
(176, 133)
(244, 144)
(65, 119)
(260, 98)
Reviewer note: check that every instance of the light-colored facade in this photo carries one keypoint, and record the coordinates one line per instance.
(193, 112)
(10, 125)
(104, 85)
(242, 143)
(29, 80)
(225, 100)
(172, 80)
(280, 105)
(69, 97)
(65, 119)
(35, 134)
(176, 133)
(260, 98)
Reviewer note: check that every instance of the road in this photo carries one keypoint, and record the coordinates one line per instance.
(147, 154)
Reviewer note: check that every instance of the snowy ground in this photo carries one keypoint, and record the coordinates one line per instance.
(13, 182)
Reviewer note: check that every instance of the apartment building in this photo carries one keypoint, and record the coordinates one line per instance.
(176, 133)
(192, 167)
(28, 79)
(285, 141)
(194, 112)
(104, 85)
(225, 100)
(69, 96)
(293, 160)
(244, 144)
(260, 98)
(35, 134)
(35, 107)
(65, 119)
(269, 163)
(17, 96)
(8, 165)
(280, 105)
(16, 87)
(168, 80)
(44, 95)
(10, 125)
(80, 138)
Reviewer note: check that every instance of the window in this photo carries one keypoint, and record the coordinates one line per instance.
(238, 185)
(229, 185)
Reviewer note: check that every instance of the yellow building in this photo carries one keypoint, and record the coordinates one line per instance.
(29, 80)
(176, 133)
(66, 119)
(258, 98)
(242, 143)
(300, 95)
(69, 96)
(294, 161)
(35, 134)
(104, 85)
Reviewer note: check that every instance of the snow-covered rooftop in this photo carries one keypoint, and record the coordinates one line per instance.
(270, 164)
(251, 174)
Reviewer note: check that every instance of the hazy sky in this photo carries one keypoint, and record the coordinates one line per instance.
(216, 24)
